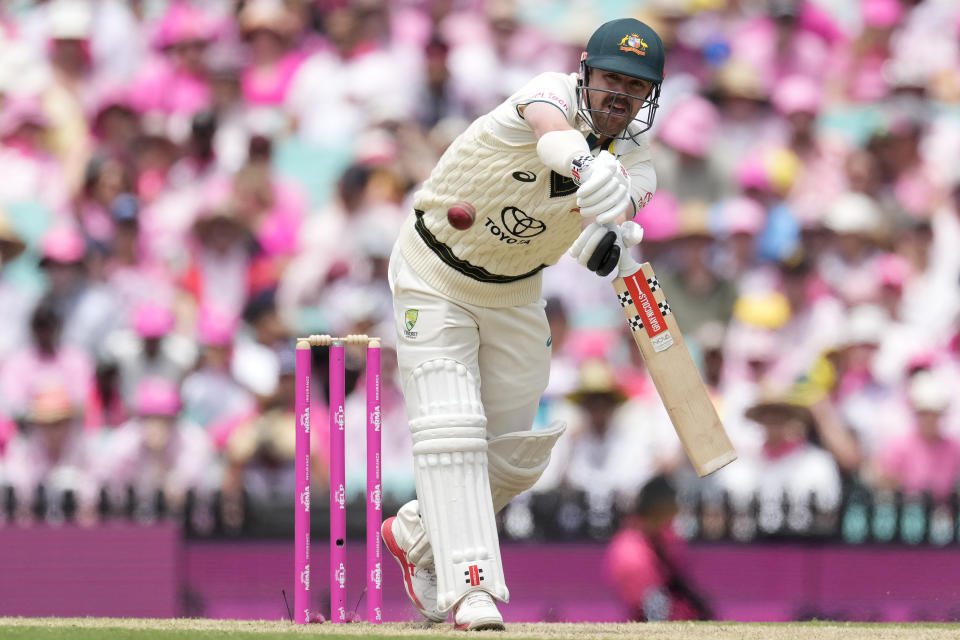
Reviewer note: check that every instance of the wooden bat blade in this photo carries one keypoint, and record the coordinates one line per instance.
(673, 371)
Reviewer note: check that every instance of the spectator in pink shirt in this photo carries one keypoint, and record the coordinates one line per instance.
(105, 178)
(645, 560)
(158, 451)
(175, 82)
(31, 173)
(269, 29)
(136, 276)
(925, 459)
(272, 208)
(52, 452)
(44, 363)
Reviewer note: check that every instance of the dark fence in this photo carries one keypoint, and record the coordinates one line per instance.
(864, 516)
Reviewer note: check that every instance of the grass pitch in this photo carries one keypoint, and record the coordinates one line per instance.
(146, 629)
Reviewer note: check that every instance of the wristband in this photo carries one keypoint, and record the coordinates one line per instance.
(558, 149)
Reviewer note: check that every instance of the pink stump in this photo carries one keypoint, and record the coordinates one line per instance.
(301, 598)
(374, 489)
(338, 498)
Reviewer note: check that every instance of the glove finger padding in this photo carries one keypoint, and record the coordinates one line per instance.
(606, 183)
(610, 260)
(600, 252)
(584, 245)
(609, 208)
(597, 249)
(596, 187)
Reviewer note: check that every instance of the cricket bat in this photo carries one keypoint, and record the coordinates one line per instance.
(672, 369)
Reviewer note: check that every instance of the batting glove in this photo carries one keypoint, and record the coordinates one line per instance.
(604, 186)
(599, 245)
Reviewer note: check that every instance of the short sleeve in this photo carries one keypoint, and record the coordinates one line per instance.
(557, 89)
(643, 181)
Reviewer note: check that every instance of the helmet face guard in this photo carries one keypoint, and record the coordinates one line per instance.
(643, 120)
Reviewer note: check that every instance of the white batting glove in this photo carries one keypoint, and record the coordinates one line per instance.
(604, 186)
(630, 234)
(599, 246)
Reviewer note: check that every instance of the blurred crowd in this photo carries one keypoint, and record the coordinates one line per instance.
(186, 186)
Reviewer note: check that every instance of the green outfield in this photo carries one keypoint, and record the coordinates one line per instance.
(138, 629)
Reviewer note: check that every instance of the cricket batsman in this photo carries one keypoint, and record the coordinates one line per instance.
(506, 199)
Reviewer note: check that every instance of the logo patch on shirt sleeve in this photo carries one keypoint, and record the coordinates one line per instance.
(552, 98)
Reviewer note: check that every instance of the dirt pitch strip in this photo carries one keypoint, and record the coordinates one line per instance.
(147, 629)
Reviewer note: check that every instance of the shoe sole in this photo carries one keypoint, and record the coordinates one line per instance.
(386, 532)
(492, 625)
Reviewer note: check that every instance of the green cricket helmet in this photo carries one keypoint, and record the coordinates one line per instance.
(629, 47)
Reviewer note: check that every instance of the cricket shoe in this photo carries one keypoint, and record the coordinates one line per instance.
(421, 584)
(477, 612)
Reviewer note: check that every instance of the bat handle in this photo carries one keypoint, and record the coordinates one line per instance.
(627, 265)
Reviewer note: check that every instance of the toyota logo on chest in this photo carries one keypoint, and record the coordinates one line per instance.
(519, 224)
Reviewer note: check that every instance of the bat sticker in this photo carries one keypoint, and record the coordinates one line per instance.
(650, 311)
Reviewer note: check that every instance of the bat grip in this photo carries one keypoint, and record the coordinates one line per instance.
(627, 265)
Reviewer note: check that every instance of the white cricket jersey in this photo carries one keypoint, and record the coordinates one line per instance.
(527, 214)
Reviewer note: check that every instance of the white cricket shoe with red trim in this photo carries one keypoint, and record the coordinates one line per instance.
(421, 584)
(477, 612)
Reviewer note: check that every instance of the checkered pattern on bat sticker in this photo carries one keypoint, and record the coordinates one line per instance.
(654, 284)
(664, 307)
(625, 300)
(636, 323)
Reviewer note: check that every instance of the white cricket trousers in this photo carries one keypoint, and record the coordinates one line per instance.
(506, 349)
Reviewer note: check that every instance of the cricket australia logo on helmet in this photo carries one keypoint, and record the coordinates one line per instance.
(634, 43)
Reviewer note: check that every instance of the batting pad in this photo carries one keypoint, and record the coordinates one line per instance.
(518, 459)
(453, 488)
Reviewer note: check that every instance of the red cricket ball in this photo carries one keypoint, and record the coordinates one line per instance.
(461, 215)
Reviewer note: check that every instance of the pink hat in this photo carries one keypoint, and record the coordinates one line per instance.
(592, 342)
(216, 327)
(690, 126)
(751, 173)
(797, 94)
(742, 215)
(157, 396)
(19, 111)
(892, 270)
(183, 22)
(152, 320)
(881, 14)
(660, 218)
(64, 244)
